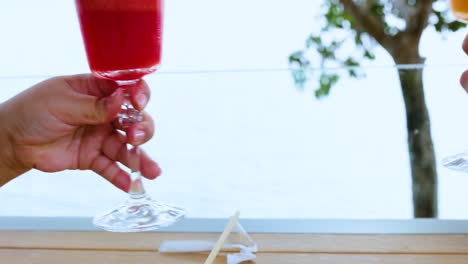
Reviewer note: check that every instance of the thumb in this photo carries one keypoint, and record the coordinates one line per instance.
(92, 110)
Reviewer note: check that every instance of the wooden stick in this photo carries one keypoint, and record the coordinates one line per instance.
(219, 244)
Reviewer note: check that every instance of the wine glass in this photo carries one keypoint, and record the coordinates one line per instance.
(458, 162)
(460, 9)
(122, 39)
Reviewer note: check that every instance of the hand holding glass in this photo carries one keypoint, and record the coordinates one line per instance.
(123, 43)
(459, 161)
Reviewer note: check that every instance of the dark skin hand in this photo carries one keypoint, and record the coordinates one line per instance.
(69, 122)
(464, 77)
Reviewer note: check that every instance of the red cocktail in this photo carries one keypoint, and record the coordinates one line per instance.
(122, 38)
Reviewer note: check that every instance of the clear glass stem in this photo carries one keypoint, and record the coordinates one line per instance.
(137, 190)
(129, 116)
(139, 212)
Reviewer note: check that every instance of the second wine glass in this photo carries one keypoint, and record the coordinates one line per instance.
(458, 162)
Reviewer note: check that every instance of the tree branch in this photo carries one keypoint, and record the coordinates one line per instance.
(417, 21)
(366, 22)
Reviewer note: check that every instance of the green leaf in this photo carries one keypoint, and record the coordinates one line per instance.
(369, 55)
(326, 81)
(455, 25)
(313, 41)
(350, 62)
(300, 78)
(299, 59)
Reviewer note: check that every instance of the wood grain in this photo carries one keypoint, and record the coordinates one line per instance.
(299, 243)
(102, 257)
(39, 247)
(25, 256)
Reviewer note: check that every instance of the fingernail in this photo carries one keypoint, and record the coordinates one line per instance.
(112, 103)
(141, 99)
(116, 93)
(139, 135)
(112, 98)
(159, 171)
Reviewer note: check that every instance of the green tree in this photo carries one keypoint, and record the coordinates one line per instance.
(350, 31)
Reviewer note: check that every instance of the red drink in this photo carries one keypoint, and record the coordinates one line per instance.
(122, 37)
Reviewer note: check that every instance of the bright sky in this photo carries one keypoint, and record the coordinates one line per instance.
(198, 34)
(203, 34)
(234, 132)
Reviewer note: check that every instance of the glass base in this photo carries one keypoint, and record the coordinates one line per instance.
(139, 213)
(458, 162)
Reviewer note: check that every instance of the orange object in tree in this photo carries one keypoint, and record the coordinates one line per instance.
(460, 9)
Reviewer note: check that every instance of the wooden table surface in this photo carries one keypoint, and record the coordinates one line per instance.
(99, 247)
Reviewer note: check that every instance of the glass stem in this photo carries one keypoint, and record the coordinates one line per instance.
(127, 117)
(137, 191)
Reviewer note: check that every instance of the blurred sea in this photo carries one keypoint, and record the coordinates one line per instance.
(246, 138)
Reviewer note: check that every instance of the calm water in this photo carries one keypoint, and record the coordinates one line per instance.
(251, 141)
(247, 141)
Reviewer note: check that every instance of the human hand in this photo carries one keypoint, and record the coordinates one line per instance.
(70, 122)
(464, 77)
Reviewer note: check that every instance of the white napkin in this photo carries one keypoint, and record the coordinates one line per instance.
(238, 239)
